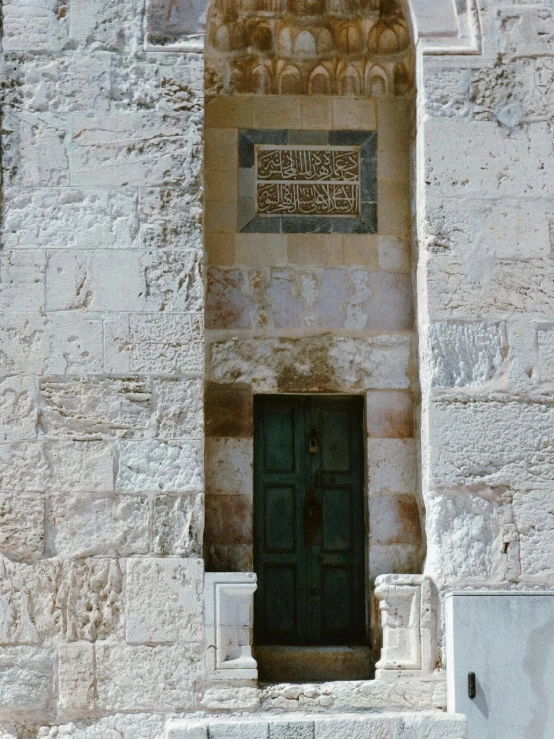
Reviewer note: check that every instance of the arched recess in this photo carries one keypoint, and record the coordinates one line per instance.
(311, 304)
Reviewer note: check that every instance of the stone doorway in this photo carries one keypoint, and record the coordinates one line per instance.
(310, 537)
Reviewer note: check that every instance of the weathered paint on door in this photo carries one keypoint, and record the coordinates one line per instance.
(309, 550)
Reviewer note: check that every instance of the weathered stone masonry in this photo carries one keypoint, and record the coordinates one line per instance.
(102, 352)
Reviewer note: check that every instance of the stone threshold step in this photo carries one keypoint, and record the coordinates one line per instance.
(313, 664)
(419, 725)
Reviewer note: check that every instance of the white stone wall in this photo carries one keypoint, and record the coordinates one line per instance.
(101, 490)
(101, 364)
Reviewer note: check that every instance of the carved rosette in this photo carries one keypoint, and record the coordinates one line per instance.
(309, 47)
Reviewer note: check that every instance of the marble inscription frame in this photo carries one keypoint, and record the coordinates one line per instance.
(361, 219)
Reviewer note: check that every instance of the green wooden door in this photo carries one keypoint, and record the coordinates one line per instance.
(309, 522)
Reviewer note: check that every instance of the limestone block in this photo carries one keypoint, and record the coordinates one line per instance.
(186, 729)
(122, 726)
(509, 228)
(155, 344)
(90, 598)
(527, 81)
(385, 558)
(164, 601)
(534, 521)
(236, 698)
(51, 598)
(291, 730)
(22, 277)
(228, 411)
(60, 343)
(58, 83)
(434, 726)
(408, 611)
(170, 217)
(178, 524)
(229, 615)
(87, 218)
(35, 149)
(17, 541)
(394, 519)
(95, 407)
(391, 466)
(357, 727)
(76, 678)
(26, 681)
(124, 280)
(227, 305)
(85, 525)
(293, 298)
(155, 466)
(526, 32)
(490, 288)
(239, 730)
(453, 164)
(394, 254)
(18, 408)
(142, 678)
(114, 25)
(229, 464)
(173, 82)
(34, 25)
(176, 24)
(491, 442)
(79, 466)
(178, 408)
(446, 90)
(466, 535)
(465, 354)
(229, 557)
(545, 352)
(315, 364)
(389, 414)
(129, 149)
(229, 519)
(58, 466)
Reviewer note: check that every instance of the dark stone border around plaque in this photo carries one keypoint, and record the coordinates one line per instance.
(251, 222)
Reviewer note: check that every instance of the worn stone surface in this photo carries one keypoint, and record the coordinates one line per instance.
(318, 364)
(178, 524)
(82, 525)
(164, 601)
(127, 726)
(143, 678)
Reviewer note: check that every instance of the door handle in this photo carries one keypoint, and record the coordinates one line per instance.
(471, 685)
(312, 520)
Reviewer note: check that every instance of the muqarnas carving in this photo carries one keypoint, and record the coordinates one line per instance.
(307, 181)
(309, 47)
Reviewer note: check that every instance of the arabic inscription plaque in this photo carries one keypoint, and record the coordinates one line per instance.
(307, 180)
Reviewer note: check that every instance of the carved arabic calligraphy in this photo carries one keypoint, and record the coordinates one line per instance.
(303, 180)
(321, 165)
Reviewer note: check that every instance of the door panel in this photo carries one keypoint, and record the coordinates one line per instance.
(280, 518)
(309, 520)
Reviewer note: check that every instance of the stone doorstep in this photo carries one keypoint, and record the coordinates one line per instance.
(313, 664)
(416, 725)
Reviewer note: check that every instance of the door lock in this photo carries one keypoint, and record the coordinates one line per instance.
(313, 448)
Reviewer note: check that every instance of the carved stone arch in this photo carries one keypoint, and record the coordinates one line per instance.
(436, 26)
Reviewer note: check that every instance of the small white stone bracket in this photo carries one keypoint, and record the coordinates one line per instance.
(447, 27)
(229, 614)
(175, 25)
(408, 609)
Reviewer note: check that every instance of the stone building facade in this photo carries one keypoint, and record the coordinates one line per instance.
(155, 283)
